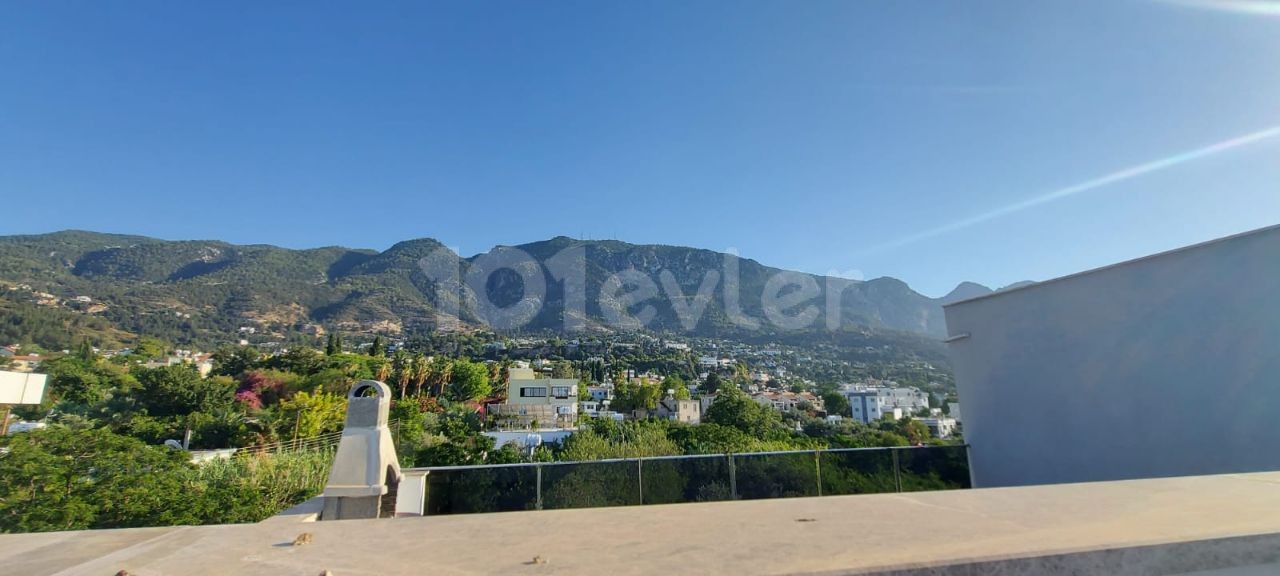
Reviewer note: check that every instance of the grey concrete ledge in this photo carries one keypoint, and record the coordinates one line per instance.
(1146, 527)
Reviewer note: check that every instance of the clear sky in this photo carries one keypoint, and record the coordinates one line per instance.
(932, 141)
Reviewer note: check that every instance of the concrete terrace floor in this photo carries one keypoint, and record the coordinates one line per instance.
(1098, 526)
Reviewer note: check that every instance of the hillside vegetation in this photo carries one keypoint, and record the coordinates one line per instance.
(203, 291)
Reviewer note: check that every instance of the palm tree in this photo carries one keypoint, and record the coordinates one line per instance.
(383, 371)
(403, 369)
(421, 369)
(441, 373)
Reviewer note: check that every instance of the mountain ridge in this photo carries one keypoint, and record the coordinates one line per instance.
(216, 286)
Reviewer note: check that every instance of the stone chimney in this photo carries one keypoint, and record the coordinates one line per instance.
(365, 467)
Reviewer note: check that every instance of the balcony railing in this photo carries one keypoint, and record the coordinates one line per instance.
(700, 478)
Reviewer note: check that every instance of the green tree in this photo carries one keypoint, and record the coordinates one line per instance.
(150, 348)
(439, 374)
(710, 438)
(91, 478)
(179, 390)
(915, 431)
(381, 368)
(734, 408)
(421, 370)
(63, 479)
(235, 360)
(636, 396)
(711, 384)
(85, 352)
(74, 380)
(468, 381)
(312, 414)
(332, 380)
(606, 439)
(836, 403)
(402, 370)
(379, 348)
(302, 361)
(562, 369)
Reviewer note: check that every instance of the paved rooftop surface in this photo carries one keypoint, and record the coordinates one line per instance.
(831, 535)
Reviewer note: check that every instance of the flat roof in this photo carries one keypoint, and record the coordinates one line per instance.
(1032, 285)
(1097, 522)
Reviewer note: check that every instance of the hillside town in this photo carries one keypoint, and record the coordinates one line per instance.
(555, 395)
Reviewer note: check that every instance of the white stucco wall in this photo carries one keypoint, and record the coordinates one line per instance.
(1164, 366)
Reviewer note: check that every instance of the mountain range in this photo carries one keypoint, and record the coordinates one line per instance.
(207, 288)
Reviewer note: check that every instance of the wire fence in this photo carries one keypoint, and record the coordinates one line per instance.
(326, 441)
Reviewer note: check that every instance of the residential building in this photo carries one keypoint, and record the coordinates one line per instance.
(686, 411)
(591, 408)
(786, 401)
(544, 402)
(940, 426)
(24, 363)
(600, 393)
(705, 401)
(865, 405)
(871, 403)
(203, 363)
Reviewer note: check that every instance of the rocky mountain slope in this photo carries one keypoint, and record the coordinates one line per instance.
(147, 285)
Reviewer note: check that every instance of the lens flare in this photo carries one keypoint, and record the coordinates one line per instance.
(1257, 7)
(1107, 180)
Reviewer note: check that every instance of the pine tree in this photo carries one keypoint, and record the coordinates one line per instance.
(378, 349)
(331, 347)
(85, 352)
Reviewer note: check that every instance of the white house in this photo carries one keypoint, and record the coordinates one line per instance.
(941, 427)
(869, 404)
(600, 393)
(786, 401)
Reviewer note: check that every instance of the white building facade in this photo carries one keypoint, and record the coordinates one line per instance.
(869, 404)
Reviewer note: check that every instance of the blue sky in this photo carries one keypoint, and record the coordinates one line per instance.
(811, 135)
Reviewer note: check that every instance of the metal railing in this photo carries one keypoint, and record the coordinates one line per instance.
(326, 441)
(695, 478)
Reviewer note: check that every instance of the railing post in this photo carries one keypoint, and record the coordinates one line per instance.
(897, 470)
(817, 464)
(733, 478)
(538, 469)
(640, 477)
